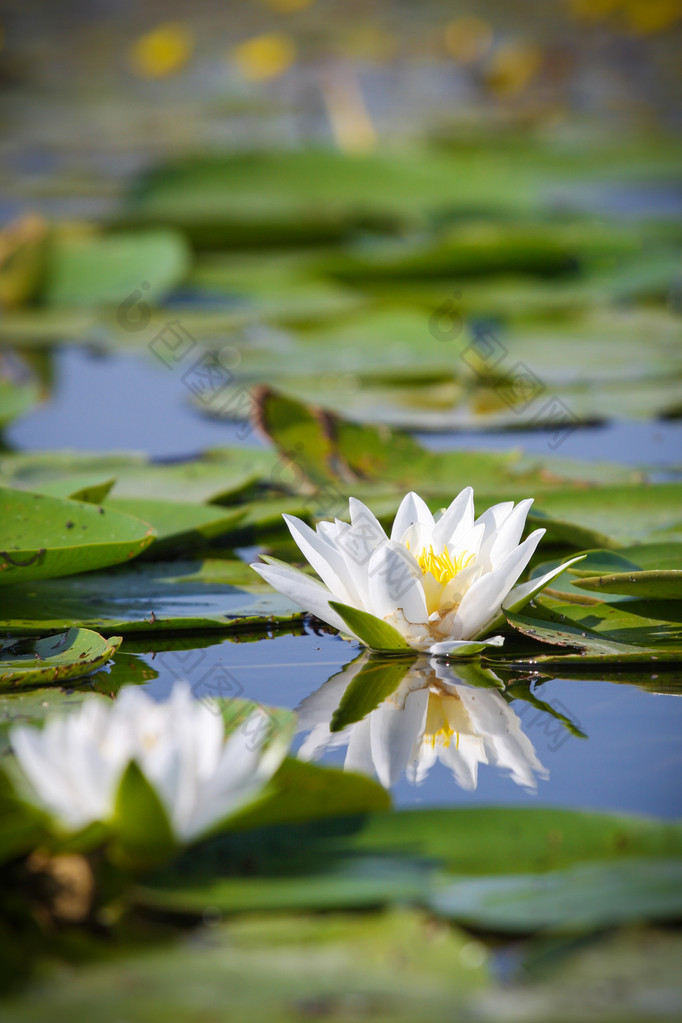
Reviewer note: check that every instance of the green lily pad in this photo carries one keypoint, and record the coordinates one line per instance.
(150, 597)
(626, 632)
(16, 399)
(320, 449)
(217, 476)
(178, 525)
(79, 487)
(44, 537)
(635, 558)
(312, 197)
(22, 827)
(475, 249)
(583, 898)
(658, 584)
(64, 657)
(90, 269)
(611, 516)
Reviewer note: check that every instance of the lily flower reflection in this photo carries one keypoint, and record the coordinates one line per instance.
(433, 714)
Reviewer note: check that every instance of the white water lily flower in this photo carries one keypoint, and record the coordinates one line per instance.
(76, 762)
(439, 581)
(432, 716)
(199, 776)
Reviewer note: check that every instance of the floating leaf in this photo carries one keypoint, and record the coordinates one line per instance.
(22, 826)
(23, 258)
(611, 516)
(319, 446)
(44, 537)
(64, 657)
(178, 525)
(147, 597)
(306, 792)
(626, 632)
(217, 476)
(659, 584)
(90, 270)
(79, 487)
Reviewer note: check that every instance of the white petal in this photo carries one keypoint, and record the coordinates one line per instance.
(463, 760)
(308, 593)
(481, 603)
(412, 509)
(417, 537)
(393, 733)
(455, 520)
(507, 745)
(493, 517)
(524, 592)
(320, 705)
(395, 583)
(509, 533)
(327, 561)
(359, 752)
(362, 518)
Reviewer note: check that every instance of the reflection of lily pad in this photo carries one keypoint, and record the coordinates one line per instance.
(584, 898)
(147, 597)
(43, 537)
(66, 656)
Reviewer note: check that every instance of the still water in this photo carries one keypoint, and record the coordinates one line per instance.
(429, 739)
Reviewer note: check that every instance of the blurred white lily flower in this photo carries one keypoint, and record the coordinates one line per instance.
(439, 581)
(199, 776)
(75, 763)
(431, 716)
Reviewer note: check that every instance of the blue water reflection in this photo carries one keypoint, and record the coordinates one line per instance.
(630, 760)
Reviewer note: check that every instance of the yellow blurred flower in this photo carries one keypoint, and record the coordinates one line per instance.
(594, 10)
(468, 38)
(163, 51)
(640, 16)
(264, 56)
(288, 6)
(652, 16)
(512, 67)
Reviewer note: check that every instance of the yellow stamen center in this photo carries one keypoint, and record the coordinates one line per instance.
(443, 567)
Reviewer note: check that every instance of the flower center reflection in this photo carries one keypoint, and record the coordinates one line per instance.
(439, 727)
